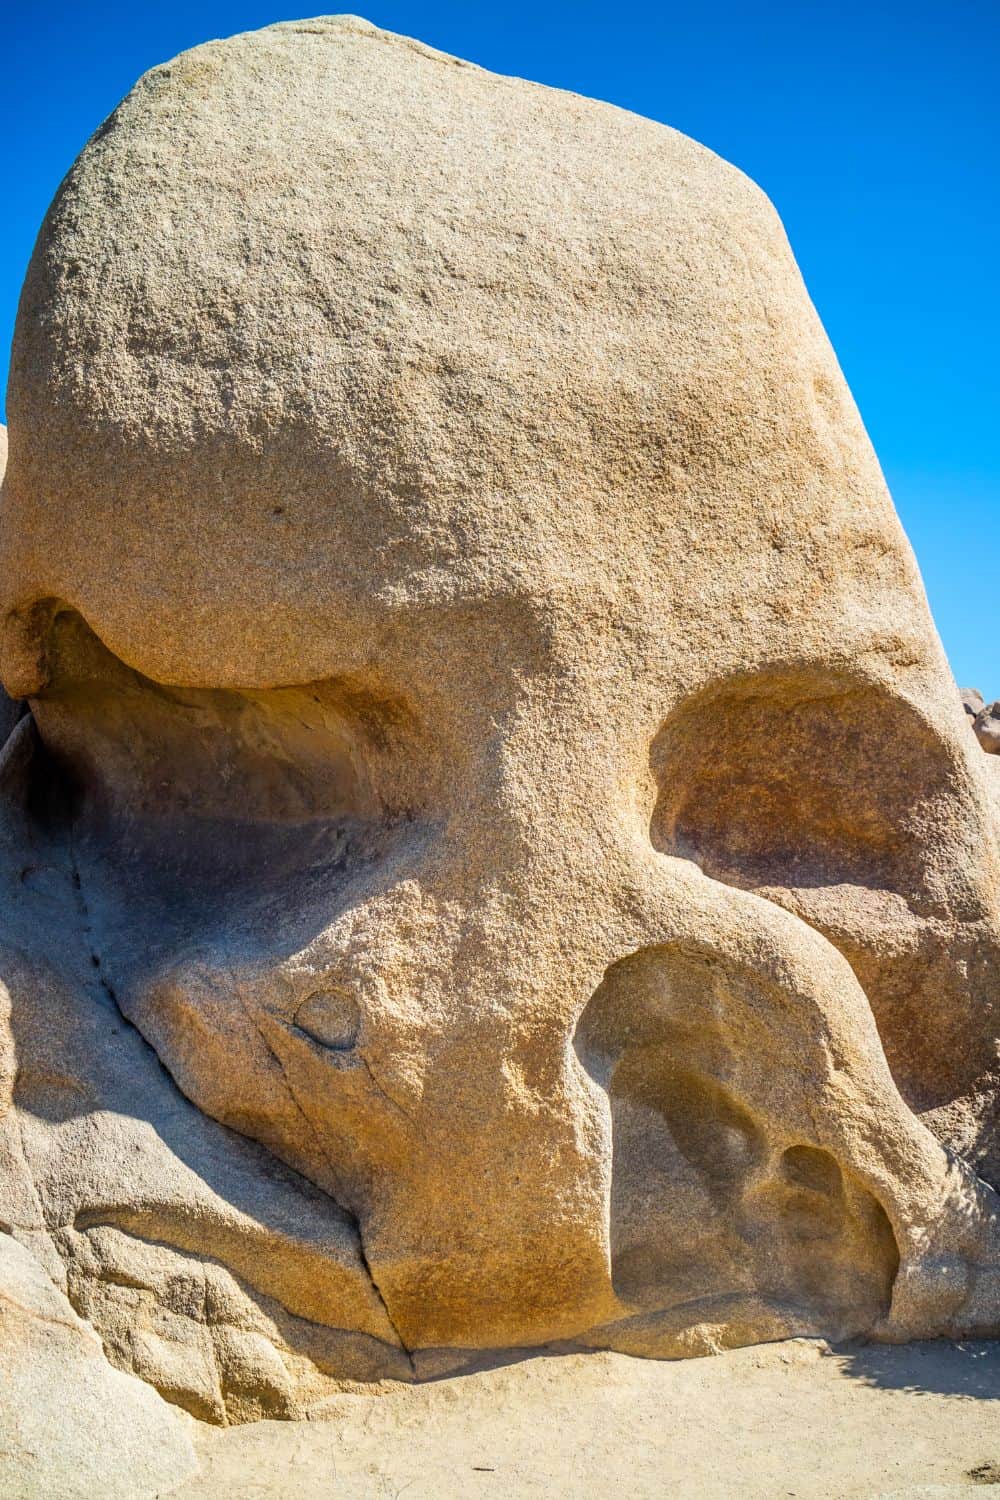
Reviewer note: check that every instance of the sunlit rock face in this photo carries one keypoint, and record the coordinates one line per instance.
(497, 856)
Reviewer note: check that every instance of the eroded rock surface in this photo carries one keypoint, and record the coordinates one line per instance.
(70, 1425)
(497, 855)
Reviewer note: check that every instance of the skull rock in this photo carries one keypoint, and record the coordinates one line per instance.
(491, 712)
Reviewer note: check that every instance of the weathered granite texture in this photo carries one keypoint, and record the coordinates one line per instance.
(497, 856)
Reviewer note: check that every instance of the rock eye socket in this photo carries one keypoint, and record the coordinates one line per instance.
(216, 811)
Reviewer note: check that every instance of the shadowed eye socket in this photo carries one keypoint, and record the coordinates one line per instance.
(800, 778)
(209, 814)
(839, 799)
(135, 748)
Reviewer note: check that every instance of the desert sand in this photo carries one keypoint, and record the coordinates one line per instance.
(920, 1422)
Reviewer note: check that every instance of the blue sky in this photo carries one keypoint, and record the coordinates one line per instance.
(875, 128)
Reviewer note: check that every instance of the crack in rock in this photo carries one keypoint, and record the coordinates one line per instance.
(109, 992)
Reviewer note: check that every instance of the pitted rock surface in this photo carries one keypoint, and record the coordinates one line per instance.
(497, 856)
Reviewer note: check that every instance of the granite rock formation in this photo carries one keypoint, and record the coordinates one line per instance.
(987, 728)
(496, 856)
(985, 719)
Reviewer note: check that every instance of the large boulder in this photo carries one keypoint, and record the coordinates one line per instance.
(492, 747)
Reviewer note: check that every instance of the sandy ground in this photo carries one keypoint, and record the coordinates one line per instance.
(793, 1419)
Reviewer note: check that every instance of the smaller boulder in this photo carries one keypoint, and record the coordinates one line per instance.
(70, 1425)
(987, 727)
(972, 701)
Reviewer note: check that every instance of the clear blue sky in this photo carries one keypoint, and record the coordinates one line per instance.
(874, 127)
